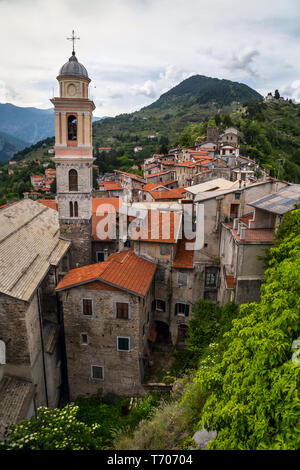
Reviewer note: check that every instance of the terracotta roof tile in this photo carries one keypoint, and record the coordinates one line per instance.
(230, 281)
(103, 208)
(184, 258)
(258, 235)
(157, 174)
(111, 185)
(48, 203)
(176, 193)
(159, 227)
(124, 270)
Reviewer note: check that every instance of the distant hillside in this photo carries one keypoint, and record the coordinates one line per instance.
(195, 99)
(27, 124)
(199, 90)
(9, 145)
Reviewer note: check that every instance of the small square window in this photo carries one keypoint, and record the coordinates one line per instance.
(97, 372)
(237, 195)
(122, 310)
(160, 275)
(123, 343)
(87, 307)
(182, 309)
(84, 338)
(164, 249)
(100, 256)
(182, 279)
(159, 305)
(210, 278)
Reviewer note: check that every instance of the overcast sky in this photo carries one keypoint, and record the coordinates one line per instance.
(134, 50)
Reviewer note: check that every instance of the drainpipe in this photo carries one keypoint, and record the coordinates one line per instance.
(42, 345)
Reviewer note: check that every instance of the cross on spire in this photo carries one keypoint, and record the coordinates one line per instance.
(73, 38)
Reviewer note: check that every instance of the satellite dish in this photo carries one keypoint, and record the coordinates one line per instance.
(2, 353)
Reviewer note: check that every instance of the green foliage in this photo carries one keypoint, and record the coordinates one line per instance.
(111, 412)
(253, 400)
(53, 430)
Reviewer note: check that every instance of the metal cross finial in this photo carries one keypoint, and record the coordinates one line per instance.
(73, 39)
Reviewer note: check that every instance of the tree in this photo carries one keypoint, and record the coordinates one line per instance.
(57, 429)
(253, 400)
(276, 95)
(218, 119)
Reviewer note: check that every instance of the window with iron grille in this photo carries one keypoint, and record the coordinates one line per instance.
(87, 307)
(182, 279)
(98, 372)
(210, 277)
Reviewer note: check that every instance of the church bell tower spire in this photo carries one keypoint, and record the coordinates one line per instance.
(73, 112)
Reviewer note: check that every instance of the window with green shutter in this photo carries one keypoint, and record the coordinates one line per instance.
(123, 343)
(182, 309)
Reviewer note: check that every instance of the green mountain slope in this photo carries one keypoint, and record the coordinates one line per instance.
(10, 145)
(195, 99)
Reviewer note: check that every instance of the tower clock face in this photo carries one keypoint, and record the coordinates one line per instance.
(72, 89)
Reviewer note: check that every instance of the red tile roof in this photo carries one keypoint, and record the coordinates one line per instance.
(258, 235)
(230, 281)
(157, 174)
(124, 270)
(48, 203)
(158, 227)
(111, 185)
(176, 193)
(106, 207)
(152, 186)
(184, 258)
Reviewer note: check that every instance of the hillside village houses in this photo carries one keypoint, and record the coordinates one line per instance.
(102, 274)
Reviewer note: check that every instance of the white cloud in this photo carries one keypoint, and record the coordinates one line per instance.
(135, 49)
(147, 89)
(243, 60)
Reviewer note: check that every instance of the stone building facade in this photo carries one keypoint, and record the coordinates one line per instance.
(107, 311)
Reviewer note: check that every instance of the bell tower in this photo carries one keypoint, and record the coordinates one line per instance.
(73, 112)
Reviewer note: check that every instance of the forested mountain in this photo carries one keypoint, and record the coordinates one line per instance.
(180, 116)
(271, 135)
(195, 99)
(21, 127)
(9, 145)
(28, 124)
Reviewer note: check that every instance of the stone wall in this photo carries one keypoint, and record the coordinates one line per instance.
(122, 369)
(79, 232)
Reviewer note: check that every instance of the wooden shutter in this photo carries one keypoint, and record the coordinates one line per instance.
(87, 307)
(187, 310)
(176, 309)
(122, 310)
